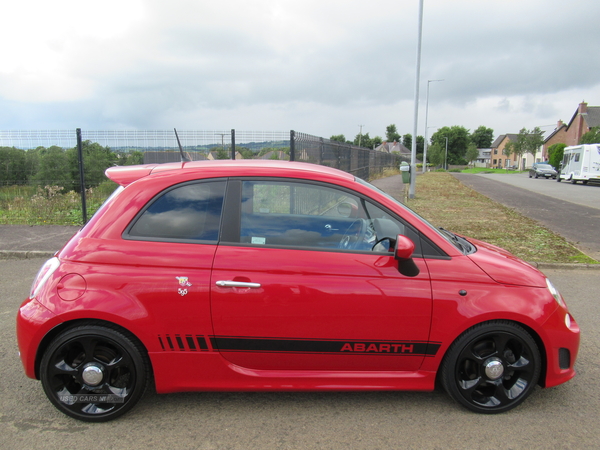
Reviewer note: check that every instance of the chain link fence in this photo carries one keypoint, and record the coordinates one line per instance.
(57, 176)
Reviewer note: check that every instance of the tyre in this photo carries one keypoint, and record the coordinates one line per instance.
(492, 367)
(94, 373)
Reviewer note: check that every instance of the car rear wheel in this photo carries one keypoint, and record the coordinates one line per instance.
(492, 367)
(94, 373)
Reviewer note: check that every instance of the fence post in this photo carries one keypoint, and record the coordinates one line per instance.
(292, 145)
(321, 146)
(81, 176)
(232, 143)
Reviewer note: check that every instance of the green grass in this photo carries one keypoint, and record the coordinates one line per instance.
(447, 203)
(48, 205)
(484, 170)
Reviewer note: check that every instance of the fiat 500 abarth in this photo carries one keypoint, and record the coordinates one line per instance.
(246, 275)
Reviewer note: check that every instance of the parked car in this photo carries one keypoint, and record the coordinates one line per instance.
(275, 275)
(542, 170)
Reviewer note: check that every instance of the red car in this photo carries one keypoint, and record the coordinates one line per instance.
(247, 275)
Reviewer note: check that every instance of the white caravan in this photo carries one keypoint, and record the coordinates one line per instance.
(580, 163)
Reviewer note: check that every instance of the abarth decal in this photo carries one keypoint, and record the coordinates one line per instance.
(393, 348)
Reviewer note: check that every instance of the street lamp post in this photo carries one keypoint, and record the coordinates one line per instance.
(413, 152)
(426, 114)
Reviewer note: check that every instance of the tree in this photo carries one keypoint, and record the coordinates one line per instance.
(54, 168)
(510, 148)
(13, 168)
(338, 138)
(96, 159)
(391, 134)
(420, 145)
(472, 153)
(407, 141)
(133, 158)
(533, 141)
(482, 137)
(458, 142)
(591, 137)
(245, 152)
(517, 147)
(221, 153)
(555, 154)
(362, 140)
(436, 154)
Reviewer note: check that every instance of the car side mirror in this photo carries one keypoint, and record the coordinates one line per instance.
(403, 254)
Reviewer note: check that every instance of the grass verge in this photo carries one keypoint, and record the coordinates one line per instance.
(448, 203)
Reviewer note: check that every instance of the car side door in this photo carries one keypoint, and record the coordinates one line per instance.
(300, 282)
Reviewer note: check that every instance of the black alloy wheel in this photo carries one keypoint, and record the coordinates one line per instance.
(492, 367)
(94, 373)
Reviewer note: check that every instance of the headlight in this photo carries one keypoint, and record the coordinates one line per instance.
(47, 269)
(559, 298)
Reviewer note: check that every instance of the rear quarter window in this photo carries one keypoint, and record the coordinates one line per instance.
(188, 212)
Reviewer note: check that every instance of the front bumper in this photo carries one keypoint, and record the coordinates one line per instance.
(562, 347)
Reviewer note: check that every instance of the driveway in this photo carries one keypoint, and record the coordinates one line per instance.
(563, 417)
(572, 211)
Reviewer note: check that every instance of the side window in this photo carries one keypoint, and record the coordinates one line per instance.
(187, 212)
(305, 215)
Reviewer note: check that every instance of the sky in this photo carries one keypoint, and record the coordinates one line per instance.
(322, 67)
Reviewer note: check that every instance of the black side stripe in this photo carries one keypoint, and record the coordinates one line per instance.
(251, 344)
(185, 343)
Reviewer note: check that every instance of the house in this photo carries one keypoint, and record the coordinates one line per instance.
(500, 160)
(391, 147)
(558, 136)
(398, 148)
(483, 160)
(584, 119)
(497, 157)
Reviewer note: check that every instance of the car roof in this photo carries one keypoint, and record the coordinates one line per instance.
(124, 175)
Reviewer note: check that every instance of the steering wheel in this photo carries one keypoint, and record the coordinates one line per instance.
(354, 235)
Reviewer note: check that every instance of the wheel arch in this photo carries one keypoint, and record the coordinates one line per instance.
(534, 335)
(64, 326)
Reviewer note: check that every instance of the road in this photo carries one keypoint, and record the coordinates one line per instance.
(563, 417)
(572, 211)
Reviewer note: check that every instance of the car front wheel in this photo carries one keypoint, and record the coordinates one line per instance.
(94, 373)
(492, 367)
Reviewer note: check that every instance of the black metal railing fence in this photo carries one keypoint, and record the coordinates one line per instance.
(57, 176)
